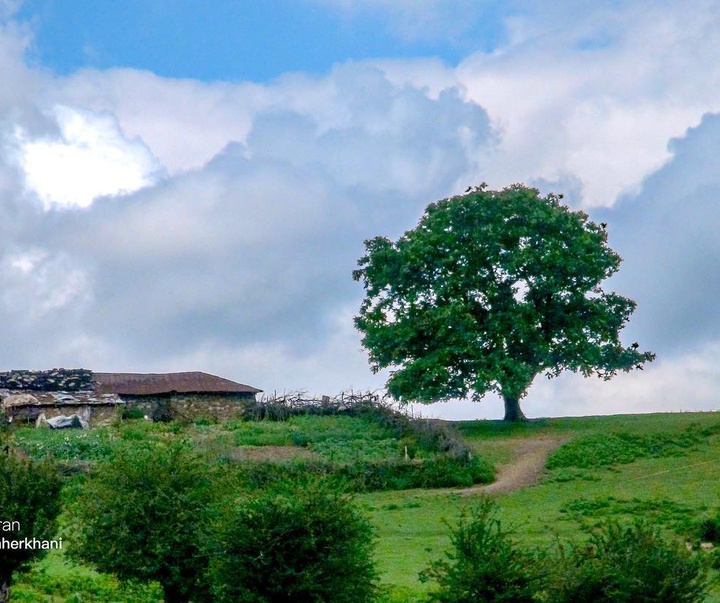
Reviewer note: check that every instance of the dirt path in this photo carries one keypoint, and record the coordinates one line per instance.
(524, 468)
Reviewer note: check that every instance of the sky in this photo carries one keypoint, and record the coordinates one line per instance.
(188, 185)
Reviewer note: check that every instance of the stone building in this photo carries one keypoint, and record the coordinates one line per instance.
(178, 395)
(96, 398)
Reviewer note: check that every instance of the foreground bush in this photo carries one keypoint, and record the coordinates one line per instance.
(617, 564)
(298, 542)
(143, 517)
(627, 564)
(30, 496)
(485, 565)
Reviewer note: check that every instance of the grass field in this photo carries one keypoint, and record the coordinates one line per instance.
(662, 467)
(673, 485)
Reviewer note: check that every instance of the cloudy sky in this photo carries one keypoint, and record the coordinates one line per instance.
(187, 185)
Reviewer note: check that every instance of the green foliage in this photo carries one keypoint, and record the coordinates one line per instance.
(78, 586)
(66, 445)
(131, 413)
(29, 495)
(604, 450)
(143, 517)
(707, 528)
(591, 512)
(369, 476)
(627, 564)
(489, 290)
(300, 541)
(367, 450)
(484, 565)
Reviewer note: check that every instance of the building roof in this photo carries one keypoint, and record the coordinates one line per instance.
(148, 384)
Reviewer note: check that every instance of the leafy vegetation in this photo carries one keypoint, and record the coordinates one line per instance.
(29, 506)
(142, 517)
(484, 563)
(676, 492)
(627, 564)
(604, 450)
(489, 290)
(300, 541)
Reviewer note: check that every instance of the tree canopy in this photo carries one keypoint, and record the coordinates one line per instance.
(489, 290)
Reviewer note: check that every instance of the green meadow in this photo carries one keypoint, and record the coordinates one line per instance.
(660, 467)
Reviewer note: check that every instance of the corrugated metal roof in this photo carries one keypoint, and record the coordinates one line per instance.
(148, 384)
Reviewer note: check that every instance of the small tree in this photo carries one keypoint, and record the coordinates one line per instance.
(143, 516)
(30, 500)
(484, 564)
(489, 290)
(300, 542)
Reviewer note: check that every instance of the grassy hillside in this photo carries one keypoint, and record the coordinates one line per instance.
(663, 467)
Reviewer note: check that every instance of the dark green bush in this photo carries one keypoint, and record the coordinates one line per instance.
(144, 516)
(484, 564)
(30, 496)
(626, 564)
(708, 530)
(299, 541)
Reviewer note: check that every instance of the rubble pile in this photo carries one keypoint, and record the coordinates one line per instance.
(60, 379)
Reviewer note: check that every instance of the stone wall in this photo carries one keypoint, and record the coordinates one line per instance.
(189, 407)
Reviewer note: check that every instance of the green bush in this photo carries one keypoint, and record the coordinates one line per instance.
(708, 529)
(300, 541)
(484, 565)
(30, 496)
(607, 449)
(131, 413)
(626, 564)
(144, 516)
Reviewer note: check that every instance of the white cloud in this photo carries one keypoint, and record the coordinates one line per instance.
(596, 93)
(90, 158)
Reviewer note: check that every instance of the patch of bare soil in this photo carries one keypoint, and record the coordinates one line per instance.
(524, 469)
(269, 453)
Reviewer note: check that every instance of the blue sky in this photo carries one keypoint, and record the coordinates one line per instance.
(187, 185)
(233, 39)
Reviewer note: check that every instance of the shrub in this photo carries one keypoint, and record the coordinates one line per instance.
(143, 516)
(484, 564)
(302, 542)
(30, 496)
(708, 530)
(131, 413)
(607, 449)
(627, 564)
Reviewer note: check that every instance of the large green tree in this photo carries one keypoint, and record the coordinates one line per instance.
(489, 290)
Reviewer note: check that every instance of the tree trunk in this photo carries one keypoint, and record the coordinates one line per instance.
(4, 592)
(512, 409)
